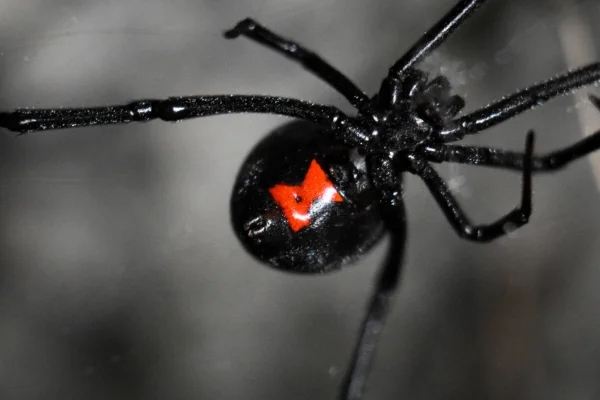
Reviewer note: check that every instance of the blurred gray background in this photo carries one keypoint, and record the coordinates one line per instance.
(121, 278)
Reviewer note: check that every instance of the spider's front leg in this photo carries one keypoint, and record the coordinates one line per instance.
(435, 36)
(457, 218)
(510, 159)
(484, 156)
(520, 102)
(343, 128)
(308, 59)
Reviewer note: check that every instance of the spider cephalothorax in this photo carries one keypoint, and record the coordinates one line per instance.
(315, 195)
(410, 111)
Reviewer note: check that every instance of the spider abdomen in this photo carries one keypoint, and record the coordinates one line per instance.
(302, 203)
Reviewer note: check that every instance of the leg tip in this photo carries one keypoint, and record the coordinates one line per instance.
(231, 34)
(245, 25)
(595, 100)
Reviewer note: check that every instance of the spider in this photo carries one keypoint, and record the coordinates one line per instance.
(315, 195)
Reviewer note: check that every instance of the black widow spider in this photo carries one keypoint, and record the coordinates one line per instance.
(313, 196)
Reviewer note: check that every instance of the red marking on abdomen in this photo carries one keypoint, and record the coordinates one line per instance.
(295, 201)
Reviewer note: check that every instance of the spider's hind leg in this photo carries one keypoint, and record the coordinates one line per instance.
(354, 382)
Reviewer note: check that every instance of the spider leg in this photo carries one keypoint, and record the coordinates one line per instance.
(435, 36)
(343, 128)
(520, 102)
(309, 60)
(459, 221)
(510, 159)
(356, 376)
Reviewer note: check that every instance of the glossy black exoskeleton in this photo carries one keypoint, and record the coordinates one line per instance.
(328, 233)
(335, 232)
(311, 198)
